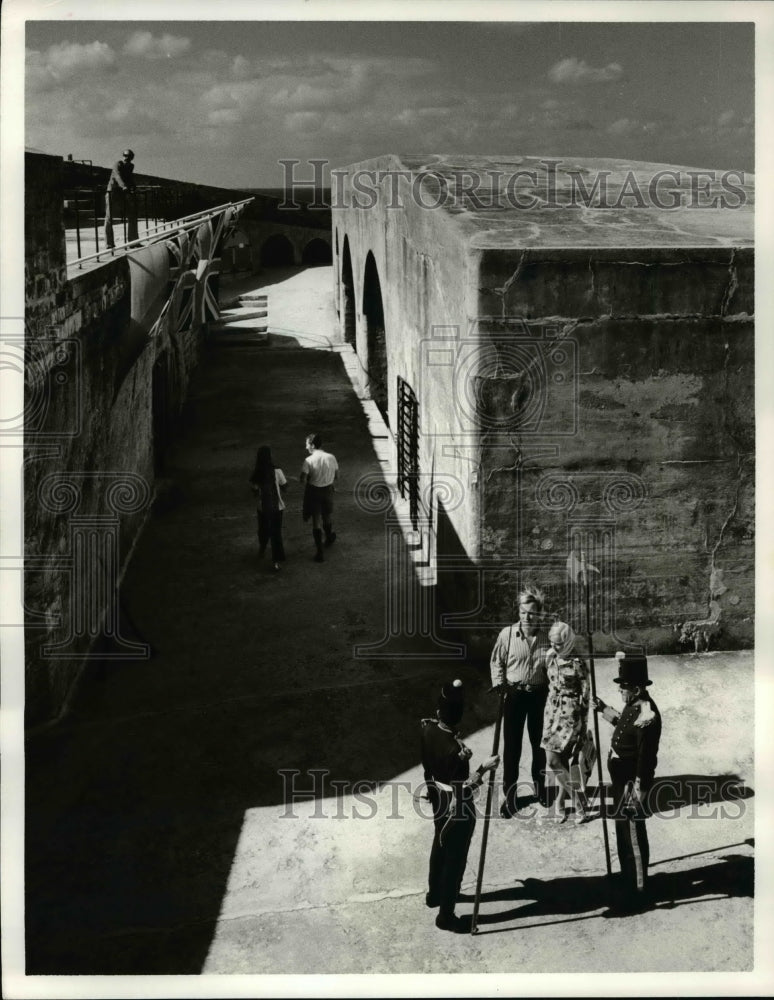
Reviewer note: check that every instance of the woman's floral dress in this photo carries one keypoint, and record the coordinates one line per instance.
(567, 707)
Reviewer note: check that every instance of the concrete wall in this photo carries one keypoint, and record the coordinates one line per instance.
(44, 238)
(427, 297)
(109, 356)
(580, 401)
(107, 372)
(645, 450)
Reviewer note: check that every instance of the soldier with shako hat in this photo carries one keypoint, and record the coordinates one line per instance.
(450, 789)
(632, 765)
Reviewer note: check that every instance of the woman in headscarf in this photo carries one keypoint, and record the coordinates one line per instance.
(566, 718)
(267, 481)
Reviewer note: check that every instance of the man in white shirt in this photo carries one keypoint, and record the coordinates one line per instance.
(318, 477)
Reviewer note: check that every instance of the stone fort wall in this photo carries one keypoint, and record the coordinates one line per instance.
(108, 354)
(572, 402)
(89, 441)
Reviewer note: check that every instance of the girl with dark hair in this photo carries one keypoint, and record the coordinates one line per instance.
(267, 482)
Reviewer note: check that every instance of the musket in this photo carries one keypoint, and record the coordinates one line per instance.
(489, 794)
(600, 779)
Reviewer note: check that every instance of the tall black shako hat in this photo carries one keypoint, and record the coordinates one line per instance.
(632, 670)
(451, 702)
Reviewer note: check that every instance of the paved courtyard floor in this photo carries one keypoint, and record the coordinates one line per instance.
(160, 838)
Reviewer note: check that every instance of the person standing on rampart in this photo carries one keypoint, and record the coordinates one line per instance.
(121, 179)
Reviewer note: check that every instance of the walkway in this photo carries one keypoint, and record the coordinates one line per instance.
(159, 840)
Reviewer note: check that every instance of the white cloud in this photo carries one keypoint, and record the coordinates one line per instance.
(624, 126)
(147, 46)
(65, 60)
(318, 83)
(573, 70)
(729, 125)
(69, 57)
(334, 88)
(243, 94)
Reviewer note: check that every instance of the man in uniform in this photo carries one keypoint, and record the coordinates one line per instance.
(121, 179)
(446, 763)
(318, 477)
(632, 765)
(519, 661)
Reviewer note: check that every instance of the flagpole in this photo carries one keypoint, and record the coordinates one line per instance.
(592, 672)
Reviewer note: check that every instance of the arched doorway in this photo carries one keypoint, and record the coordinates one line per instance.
(348, 289)
(376, 340)
(317, 252)
(277, 251)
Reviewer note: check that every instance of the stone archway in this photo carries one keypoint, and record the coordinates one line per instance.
(277, 251)
(348, 295)
(317, 252)
(376, 339)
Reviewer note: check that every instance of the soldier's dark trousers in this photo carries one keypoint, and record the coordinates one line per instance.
(631, 835)
(449, 854)
(521, 707)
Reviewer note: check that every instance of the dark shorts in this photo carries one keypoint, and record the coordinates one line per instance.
(318, 500)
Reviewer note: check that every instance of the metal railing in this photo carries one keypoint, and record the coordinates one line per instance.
(158, 232)
(89, 201)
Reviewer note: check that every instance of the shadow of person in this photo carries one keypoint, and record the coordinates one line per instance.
(731, 876)
(571, 895)
(675, 791)
(580, 897)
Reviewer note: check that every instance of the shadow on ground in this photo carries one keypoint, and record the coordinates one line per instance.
(581, 897)
(676, 791)
(136, 802)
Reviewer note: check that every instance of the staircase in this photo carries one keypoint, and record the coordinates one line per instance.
(244, 325)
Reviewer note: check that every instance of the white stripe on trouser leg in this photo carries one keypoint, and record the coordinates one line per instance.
(636, 853)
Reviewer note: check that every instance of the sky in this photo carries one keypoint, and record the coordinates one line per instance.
(222, 102)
